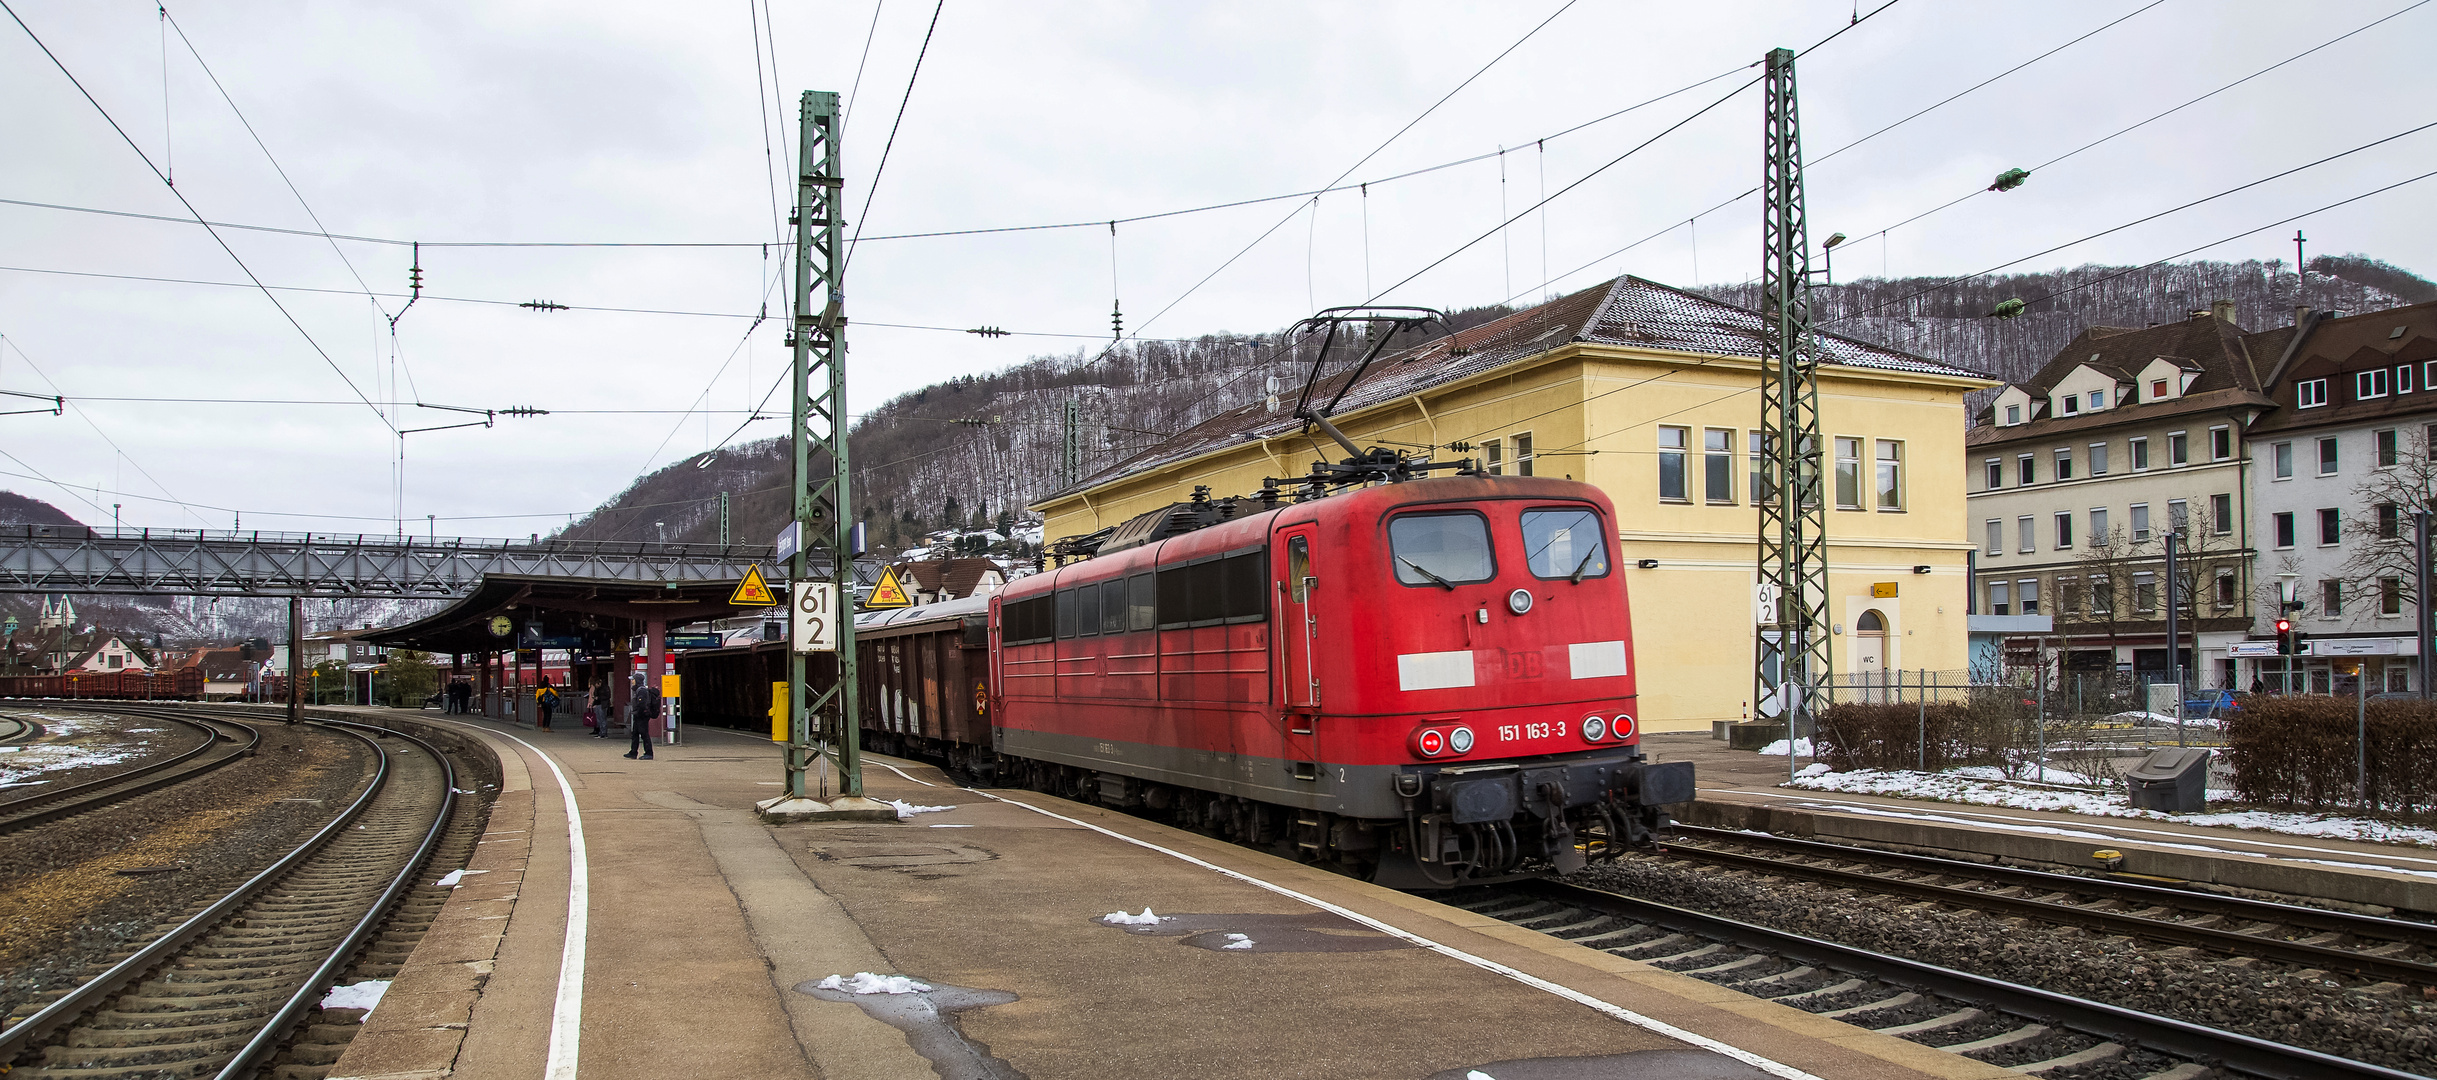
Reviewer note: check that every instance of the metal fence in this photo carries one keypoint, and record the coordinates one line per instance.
(2081, 729)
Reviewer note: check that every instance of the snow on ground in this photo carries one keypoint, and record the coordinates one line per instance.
(1120, 918)
(364, 995)
(1802, 748)
(1238, 941)
(34, 759)
(865, 982)
(906, 810)
(1987, 787)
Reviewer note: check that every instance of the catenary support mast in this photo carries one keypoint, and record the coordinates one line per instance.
(822, 725)
(1793, 511)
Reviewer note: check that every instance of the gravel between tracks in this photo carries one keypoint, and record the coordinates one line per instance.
(76, 747)
(2268, 1001)
(65, 905)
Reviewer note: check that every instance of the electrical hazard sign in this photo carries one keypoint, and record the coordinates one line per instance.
(753, 591)
(890, 593)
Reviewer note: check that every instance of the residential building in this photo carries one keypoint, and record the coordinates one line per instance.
(1650, 393)
(2080, 474)
(930, 581)
(106, 651)
(2340, 466)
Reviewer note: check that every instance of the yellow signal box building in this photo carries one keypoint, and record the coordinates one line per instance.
(1653, 394)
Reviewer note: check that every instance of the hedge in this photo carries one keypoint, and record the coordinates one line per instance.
(2304, 750)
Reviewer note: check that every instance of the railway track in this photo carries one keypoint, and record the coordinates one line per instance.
(224, 741)
(16, 728)
(2369, 947)
(218, 994)
(2022, 1028)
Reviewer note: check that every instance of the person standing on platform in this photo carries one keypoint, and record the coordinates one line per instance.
(640, 715)
(545, 701)
(601, 708)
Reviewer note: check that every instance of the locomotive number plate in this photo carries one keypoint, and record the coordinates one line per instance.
(1519, 732)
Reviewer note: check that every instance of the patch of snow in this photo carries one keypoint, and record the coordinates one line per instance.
(906, 810)
(1238, 941)
(364, 995)
(34, 759)
(1120, 918)
(1816, 768)
(455, 877)
(865, 982)
(1802, 748)
(1476, 1074)
(1982, 786)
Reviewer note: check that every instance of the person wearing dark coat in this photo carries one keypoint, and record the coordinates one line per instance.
(640, 714)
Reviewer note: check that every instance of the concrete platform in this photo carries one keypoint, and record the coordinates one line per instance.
(634, 919)
(1739, 790)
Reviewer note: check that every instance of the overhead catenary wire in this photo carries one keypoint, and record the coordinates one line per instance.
(81, 414)
(190, 209)
(873, 191)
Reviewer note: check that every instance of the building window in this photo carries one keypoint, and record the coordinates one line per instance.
(2399, 676)
(2157, 389)
(117, 661)
(2144, 593)
(1494, 453)
(2098, 459)
(2389, 448)
(2140, 522)
(2390, 596)
(2221, 443)
(2026, 592)
(2102, 596)
(1996, 530)
(1523, 455)
(2098, 526)
(2221, 513)
(1672, 441)
(2070, 404)
(2178, 448)
(2179, 519)
(2068, 595)
(2140, 454)
(2026, 470)
(1717, 463)
(2327, 456)
(2283, 453)
(2000, 595)
(1848, 473)
(2013, 415)
(1891, 474)
(2225, 589)
(2331, 597)
(2329, 532)
(2284, 529)
(1995, 477)
(1759, 479)
(2403, 379)
(2390, 521)
(2098, 399)
(2025, 532)
(2310, 393)
(2064, 463)
(2064, 529)
(2369, 384)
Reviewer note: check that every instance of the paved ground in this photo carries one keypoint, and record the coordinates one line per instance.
(704, 934)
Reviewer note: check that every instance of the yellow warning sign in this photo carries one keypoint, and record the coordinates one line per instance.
(889, 593)
(752, 591)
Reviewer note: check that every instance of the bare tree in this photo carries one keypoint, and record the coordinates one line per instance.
(2378, 556)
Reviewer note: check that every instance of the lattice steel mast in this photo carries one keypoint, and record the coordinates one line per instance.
(822, 726)
(1793, 513)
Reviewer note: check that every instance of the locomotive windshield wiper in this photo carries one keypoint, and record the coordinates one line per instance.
(1585, 564)
(1425, 572)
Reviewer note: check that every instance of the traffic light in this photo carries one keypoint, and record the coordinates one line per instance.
(2284, 637)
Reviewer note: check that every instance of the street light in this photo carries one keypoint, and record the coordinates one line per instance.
(1828, 251)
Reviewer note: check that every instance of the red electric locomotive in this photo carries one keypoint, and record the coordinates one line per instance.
(1429, 682)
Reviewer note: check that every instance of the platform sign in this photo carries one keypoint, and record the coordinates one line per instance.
(753, 591)
(890, 593)
(668, 687)
(1882, 590)
(813, 617)
(789, 540)
(2251, 648)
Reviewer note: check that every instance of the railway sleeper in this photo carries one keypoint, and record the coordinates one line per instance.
(90, 1037)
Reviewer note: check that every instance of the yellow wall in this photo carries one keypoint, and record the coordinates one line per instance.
(1594, 414)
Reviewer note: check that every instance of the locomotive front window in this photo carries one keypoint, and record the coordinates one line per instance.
(1564, 544)
(1441, 549)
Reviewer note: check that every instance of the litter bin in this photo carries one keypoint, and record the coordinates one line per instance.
(2173, 781)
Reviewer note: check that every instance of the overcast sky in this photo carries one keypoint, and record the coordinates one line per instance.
(634, 122)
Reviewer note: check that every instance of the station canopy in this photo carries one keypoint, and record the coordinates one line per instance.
(560, 613)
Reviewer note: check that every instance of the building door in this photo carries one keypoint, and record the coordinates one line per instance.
(1870, 655)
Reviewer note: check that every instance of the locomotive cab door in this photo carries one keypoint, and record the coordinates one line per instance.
(1298, 628)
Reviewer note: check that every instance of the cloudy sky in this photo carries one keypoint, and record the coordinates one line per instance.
(198, 399)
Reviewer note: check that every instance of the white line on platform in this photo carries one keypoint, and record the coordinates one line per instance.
(1774, 1068)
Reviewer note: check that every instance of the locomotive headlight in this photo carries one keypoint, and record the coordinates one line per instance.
(1431, 742)
(1519, 601)
(1460, 740)
(1624, 726)
(1594, 729)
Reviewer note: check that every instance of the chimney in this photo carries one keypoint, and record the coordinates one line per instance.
(2301, 314)
(2223, 309)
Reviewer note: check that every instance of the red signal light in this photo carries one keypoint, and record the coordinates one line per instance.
(2284, 626)
(1431, 742)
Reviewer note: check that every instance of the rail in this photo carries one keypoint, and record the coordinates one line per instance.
(22, 813)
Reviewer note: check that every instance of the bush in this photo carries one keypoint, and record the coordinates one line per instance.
(1865, 735)
(2304, 750)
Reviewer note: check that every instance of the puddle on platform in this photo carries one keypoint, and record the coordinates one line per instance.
(1315, 931)
(928, 1019)
(1638, 1065)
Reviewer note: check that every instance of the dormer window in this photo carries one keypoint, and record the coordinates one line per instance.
(2369, 384)
(2309, 393)
(2157, 389)
(2098, 399)
(2072, 403)
(2013, 415)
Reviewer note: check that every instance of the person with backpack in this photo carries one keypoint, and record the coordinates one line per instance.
(640, 714)
(545, 700)
(601, 708)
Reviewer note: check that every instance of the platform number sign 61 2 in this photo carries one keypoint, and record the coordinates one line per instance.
(814, 607)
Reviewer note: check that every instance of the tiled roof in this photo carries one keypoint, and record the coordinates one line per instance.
(2212, 346)
(2225, 401)
(1628, 311)
(2337, 348)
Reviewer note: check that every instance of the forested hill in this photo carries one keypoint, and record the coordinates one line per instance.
(969, 450)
